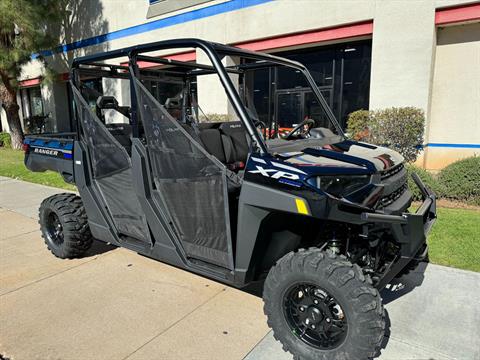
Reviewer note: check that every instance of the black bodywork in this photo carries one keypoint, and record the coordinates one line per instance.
(276, 202)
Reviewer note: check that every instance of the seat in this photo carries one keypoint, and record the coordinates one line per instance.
(235, 141)
(222, 147)
(122, 133)
(212, 142)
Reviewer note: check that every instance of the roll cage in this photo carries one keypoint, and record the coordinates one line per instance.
(215, 52)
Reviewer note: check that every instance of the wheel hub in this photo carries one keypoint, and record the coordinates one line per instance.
(315, 316)
(54, 229)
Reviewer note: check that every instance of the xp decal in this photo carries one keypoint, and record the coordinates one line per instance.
(274, 173)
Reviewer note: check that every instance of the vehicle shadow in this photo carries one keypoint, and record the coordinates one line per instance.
(99, 247)
(255, 288)
(396, 289)
(401, 286)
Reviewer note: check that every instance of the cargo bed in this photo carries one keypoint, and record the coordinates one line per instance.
(50, 152)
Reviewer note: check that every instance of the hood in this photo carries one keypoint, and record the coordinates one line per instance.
(346, 156)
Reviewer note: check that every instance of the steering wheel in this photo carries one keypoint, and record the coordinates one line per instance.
(309, 122)
(261, 126)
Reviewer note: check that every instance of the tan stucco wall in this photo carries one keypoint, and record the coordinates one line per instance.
(402, 52)
(455, 105)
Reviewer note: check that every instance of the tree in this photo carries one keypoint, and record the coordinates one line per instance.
(23, 32)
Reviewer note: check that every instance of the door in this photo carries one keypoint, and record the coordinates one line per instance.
(295, 105)
(112, 173)
(289, 109)
(191, 185)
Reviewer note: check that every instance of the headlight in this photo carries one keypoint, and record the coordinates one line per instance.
(339, 186)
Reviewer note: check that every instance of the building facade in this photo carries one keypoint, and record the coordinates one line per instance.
(363, 54)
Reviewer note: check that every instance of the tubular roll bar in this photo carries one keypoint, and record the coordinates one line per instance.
(212, 50)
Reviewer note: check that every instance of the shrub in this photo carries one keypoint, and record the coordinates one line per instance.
(428, 179)
(461, 180)
(358, 125)
(401, 129)
(5, 140)
(212, 117)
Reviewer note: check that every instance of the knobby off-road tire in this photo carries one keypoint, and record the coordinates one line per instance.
(360, 303)
(64, 226)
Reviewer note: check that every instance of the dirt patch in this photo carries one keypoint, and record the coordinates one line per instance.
(449, 204)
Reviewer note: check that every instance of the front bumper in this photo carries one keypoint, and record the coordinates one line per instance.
(410, 230)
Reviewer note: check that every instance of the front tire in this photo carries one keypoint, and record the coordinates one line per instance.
(64, 226)
(321, 307)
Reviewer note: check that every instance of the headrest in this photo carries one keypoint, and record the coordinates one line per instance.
(173, 103)
(107, 102)
(233, 126)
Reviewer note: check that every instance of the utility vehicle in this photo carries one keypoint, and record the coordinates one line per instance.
(321, 219)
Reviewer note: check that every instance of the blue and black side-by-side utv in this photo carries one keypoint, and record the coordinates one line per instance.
(321, 219)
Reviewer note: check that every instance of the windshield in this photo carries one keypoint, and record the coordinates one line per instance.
(282, 95)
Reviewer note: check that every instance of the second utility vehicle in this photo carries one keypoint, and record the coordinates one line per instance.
(322, 219)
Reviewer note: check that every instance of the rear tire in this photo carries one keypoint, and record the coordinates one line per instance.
(345, 299)
(64, 226)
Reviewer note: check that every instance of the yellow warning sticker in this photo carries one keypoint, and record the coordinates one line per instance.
(301, 206)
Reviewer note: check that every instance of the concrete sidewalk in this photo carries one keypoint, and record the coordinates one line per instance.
(115, 304)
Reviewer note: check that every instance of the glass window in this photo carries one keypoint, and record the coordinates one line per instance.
(320, 64)
(160, 7)
(36, 102)
(356, 79)
(91, 90)
(342, 72)
(34, 118)
(261, 94)
(289, 78)
(289, 109)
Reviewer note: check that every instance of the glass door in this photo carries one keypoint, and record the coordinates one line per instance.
(289, 109)
(294, 106)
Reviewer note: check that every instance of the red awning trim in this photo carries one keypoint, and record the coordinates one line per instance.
(30, 82)
(310, 37)
(457, 14)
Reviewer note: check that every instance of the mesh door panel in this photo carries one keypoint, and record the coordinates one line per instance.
(107, 155)
(123, 204)
(112, 173)
(191, 183)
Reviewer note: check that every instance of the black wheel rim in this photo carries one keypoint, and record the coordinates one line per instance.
(54, 229)
(314, 316)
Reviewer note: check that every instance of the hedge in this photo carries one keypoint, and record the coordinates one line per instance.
(5, 140)
(428, 179)
(461, 180)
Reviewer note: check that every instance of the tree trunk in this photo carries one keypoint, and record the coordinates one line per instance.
(8, 98)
